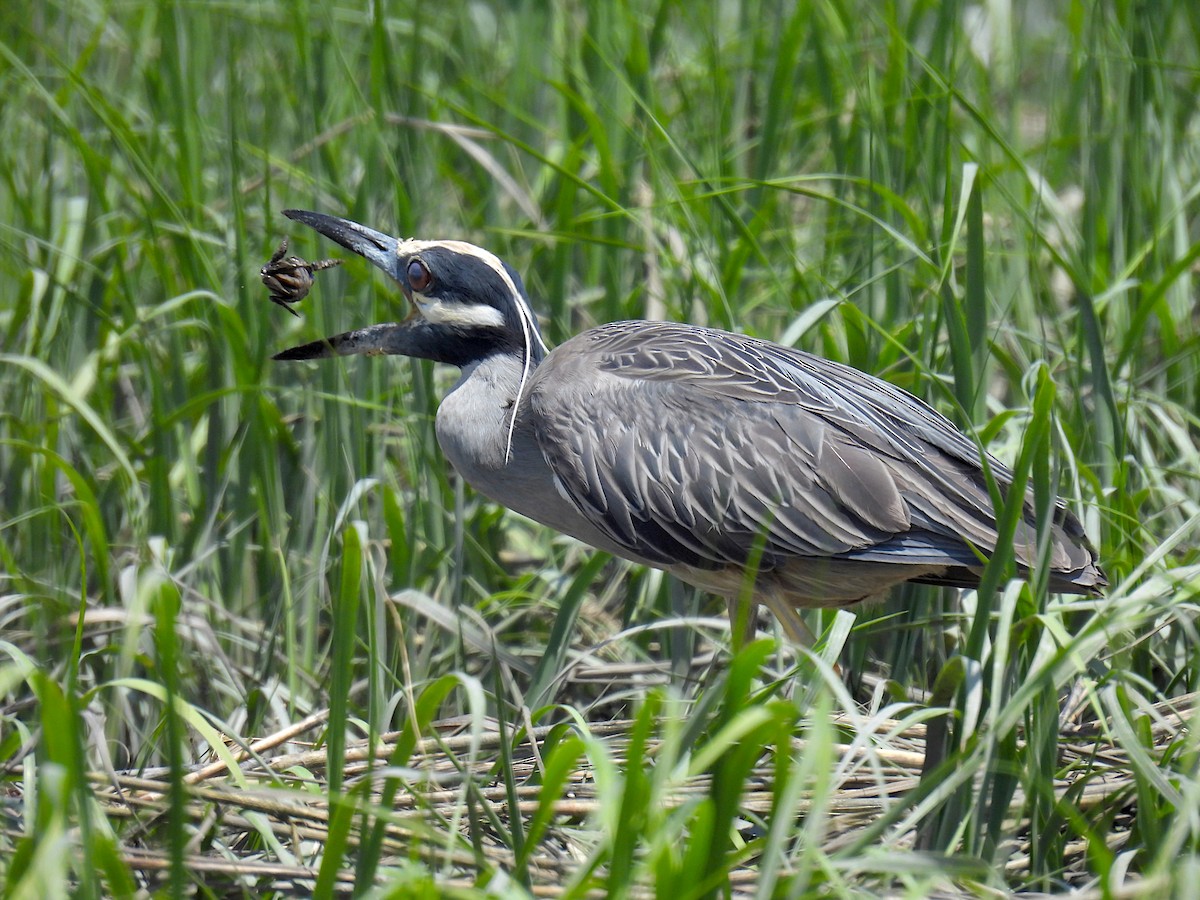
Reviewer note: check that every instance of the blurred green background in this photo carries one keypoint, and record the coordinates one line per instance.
(992, 205)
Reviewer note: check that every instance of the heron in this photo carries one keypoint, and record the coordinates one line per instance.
(723, 459)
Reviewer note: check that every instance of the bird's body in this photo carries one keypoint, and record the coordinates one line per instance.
(472, 430)
(718, 457)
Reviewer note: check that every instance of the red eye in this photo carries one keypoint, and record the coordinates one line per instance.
(419, 276)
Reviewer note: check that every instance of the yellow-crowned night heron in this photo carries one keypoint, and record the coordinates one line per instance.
(698, 451)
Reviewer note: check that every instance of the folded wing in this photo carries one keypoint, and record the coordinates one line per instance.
(696, 447)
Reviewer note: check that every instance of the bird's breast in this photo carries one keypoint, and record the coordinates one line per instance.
(472, 428)
(473, 432)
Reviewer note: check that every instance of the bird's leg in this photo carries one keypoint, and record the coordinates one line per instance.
(743, 620)
(793, 626)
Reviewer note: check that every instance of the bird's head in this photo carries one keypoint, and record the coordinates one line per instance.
(468, 303)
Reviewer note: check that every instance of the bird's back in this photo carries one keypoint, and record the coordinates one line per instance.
(702, 451)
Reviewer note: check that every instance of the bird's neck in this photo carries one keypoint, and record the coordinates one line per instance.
(470, 347)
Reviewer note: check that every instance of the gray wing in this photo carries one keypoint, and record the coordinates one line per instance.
(703, 448)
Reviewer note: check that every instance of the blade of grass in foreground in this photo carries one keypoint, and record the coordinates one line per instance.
(166, 605)
(345, 644)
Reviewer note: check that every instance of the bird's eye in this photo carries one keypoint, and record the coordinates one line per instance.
(419, 276)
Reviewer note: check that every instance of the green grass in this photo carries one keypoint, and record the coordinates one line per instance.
(994, 206)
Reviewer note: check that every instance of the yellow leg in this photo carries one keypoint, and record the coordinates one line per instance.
(793, 626)
(743, 620)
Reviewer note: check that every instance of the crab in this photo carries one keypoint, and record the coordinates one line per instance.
(290, 279)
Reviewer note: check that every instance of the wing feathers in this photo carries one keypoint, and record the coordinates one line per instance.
(861, 481)
(696, 447)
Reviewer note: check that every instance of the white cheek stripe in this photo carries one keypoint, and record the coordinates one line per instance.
(480, 315)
